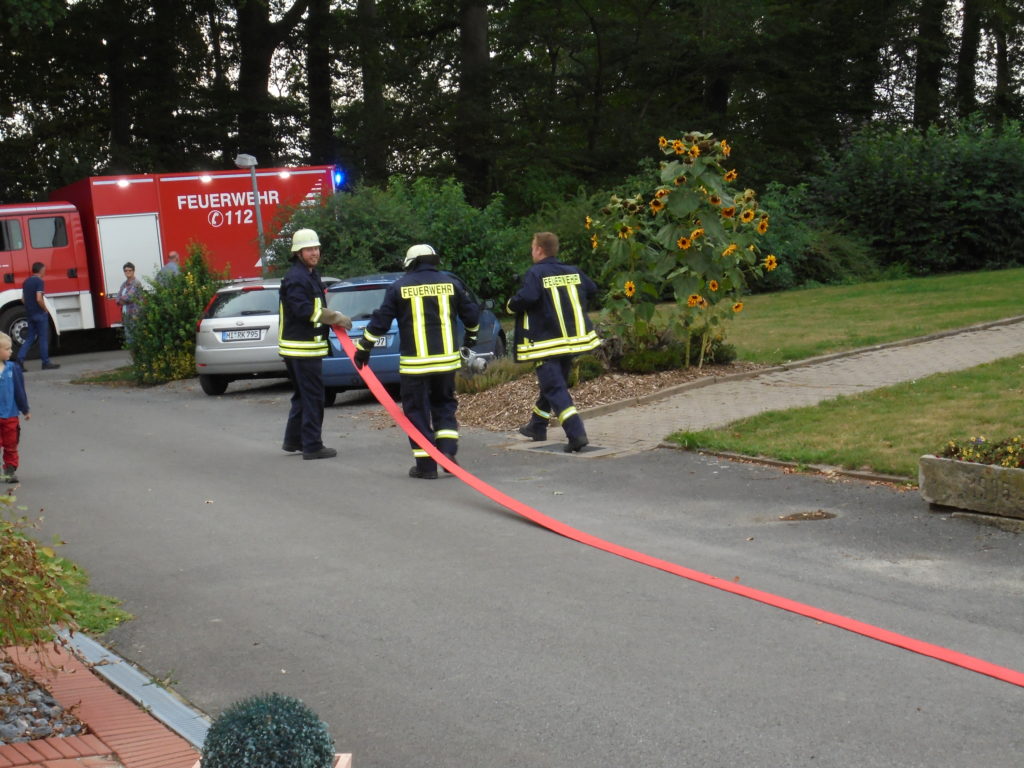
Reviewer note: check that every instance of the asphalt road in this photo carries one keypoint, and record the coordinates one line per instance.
(429, 627)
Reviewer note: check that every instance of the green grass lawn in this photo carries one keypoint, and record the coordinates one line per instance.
(886, 430)
(889, 429)
(793, 325)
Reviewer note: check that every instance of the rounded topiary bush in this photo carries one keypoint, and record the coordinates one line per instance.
(268, 731)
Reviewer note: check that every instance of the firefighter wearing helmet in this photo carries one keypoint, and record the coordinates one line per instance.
(425, 301)
(302, 342)
(552, 327)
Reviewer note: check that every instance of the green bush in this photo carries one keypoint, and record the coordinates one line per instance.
(32, 595)
(586, 368)
(268, 731)
(949, 199)
(499, 372)
(164, 331)
(370, 228)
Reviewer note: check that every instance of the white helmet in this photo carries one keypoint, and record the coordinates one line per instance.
(304, 238)
(415, 252)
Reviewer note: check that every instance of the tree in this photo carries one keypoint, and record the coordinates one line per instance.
(931, 47)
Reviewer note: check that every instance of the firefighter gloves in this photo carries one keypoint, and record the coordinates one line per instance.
(361, 357)
(469, 340)
(333, 317)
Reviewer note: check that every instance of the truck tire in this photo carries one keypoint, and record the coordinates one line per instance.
(330, 395)
(213, 385)
(14, 322)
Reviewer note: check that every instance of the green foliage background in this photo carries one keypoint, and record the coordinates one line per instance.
(164, 331)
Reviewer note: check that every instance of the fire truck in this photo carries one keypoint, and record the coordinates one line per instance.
(89, 229)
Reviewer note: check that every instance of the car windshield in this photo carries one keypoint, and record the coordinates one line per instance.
(357, 303)
(241, 303)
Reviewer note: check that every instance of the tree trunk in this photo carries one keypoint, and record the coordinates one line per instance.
(323, 147)
(258, 38)
(931, 47)
(1002, 100)
(967, 61)
(473, 134)
(373, 140)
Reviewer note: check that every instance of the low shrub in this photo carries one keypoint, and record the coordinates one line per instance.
(268, 731)
(32, 595)
(1008, 452)
(164, 331)
(499, 372)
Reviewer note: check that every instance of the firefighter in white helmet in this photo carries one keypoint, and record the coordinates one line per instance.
(425, 302)
(302, 342)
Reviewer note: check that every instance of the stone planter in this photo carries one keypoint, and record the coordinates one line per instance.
(986, 488)
(340, 761)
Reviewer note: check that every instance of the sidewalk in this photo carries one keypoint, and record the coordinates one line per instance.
(711, 403)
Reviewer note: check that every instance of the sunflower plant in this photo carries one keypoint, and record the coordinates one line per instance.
(692, 235)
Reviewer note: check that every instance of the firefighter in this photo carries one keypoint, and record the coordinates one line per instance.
(551, 328)
(426, 302)
(302, 342)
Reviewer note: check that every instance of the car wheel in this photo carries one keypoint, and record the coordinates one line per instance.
(213, 385)
(330, 395)
(499, 347)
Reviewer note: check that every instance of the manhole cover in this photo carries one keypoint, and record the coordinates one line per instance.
(818, 514)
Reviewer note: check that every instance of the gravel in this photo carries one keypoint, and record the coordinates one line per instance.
(28, 711)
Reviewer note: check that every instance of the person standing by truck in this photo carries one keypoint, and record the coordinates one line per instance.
(302, 342)
(33, 294)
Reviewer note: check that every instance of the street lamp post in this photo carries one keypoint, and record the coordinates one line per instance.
(248, 161)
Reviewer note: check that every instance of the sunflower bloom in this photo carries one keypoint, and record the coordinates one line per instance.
(587, 222)
(728, 213)
(747, 216)
(662, 142)
(679, 180)
(726, 149)
(656, 205)
(593, 242)
(762, 225)
(731, 175)
(713, 286)
(630, 289)
(678, 147)
(715, 200)
(698, 232)
(737, 307)
(730, 250)
(693, 300)
(694, 151)
(702, 302)
(625, 231)
(683, 243)
(661, 193)
(770, 262)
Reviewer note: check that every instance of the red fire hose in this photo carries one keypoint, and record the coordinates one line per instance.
(852, 625)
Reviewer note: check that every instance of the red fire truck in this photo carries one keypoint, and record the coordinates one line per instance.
(92, 227)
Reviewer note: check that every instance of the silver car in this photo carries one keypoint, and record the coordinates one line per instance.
(237, 335)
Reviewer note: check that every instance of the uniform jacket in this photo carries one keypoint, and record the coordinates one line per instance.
(13, 398)
(551, 312)
(300, 332)
(425, 301)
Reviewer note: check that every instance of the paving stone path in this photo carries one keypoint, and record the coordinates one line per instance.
(703, 406)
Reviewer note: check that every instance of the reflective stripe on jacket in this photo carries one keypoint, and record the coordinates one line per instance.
(300, 332)
(551, 312)
(426, 303)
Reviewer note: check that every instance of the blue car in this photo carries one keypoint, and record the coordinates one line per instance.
(357, 297)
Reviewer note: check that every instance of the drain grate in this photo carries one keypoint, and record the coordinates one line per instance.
(817, 514)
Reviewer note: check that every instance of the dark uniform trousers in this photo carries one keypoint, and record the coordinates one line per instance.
(554, 399)
(307, 412)
(418, 393)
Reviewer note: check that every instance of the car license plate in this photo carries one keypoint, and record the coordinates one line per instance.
(250, 334)
(382, 341)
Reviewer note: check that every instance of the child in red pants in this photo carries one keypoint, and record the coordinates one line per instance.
(13, 400)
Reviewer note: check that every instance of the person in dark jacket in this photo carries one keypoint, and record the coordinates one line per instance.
(426, 302)
(551, 328)
(302, 342)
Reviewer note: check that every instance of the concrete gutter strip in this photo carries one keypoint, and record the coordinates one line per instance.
(163, 704)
